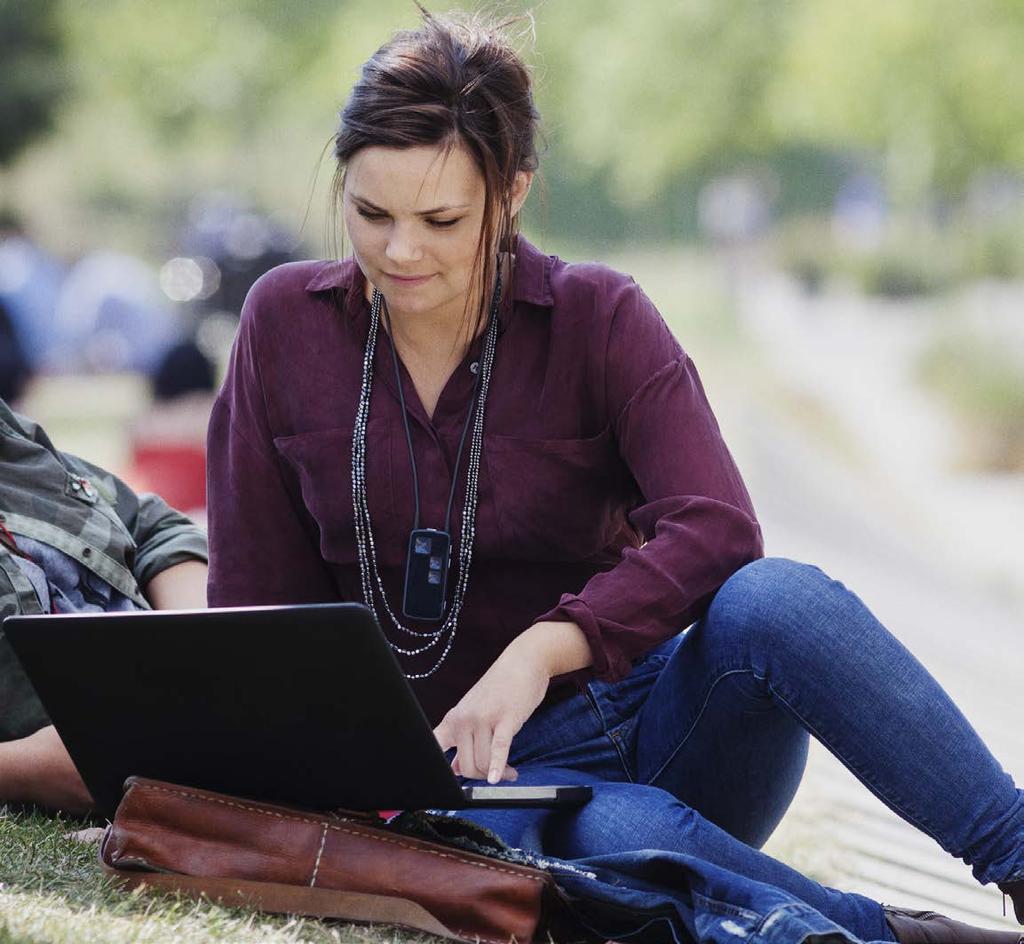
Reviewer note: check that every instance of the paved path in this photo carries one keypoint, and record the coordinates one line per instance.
(813, 508)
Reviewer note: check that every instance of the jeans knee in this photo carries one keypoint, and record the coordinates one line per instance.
(776, 601)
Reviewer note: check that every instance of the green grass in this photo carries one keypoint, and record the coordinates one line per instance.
(52, 891)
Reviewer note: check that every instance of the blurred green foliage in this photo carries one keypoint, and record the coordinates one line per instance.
(642, 104)
(33, 79)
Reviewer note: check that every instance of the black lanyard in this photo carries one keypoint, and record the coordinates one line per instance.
(429, 553)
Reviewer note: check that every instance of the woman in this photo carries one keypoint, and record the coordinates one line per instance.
(448, 366)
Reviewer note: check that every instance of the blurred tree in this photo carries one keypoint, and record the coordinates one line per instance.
(930, 85)
(34, 79)
(641, 104)
(649, 91)
(178, 97)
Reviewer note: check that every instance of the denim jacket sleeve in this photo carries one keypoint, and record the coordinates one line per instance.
(694, 518)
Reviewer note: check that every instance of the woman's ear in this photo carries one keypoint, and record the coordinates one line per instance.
(520, 190)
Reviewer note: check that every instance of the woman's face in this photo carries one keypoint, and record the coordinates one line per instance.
(413, 216)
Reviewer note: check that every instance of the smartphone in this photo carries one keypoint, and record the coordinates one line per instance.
(527, 796)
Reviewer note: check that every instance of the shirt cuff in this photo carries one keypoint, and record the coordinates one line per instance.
(609, 664)
(182, 545)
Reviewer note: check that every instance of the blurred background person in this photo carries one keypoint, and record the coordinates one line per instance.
(30, 280)
(15, 371)
(168, 440)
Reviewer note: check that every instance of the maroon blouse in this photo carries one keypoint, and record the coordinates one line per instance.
(606, 496)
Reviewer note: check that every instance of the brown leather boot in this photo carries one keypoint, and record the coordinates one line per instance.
(1016, 892)
(927, 927)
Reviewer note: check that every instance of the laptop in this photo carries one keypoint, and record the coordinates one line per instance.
(301, 705)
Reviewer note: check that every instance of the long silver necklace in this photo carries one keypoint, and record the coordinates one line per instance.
(372, 584)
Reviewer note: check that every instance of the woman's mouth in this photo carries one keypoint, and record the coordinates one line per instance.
(408, 279)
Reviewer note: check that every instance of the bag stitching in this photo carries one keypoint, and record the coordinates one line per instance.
(319, 856)
(350, 832)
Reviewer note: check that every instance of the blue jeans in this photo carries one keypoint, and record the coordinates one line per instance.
(696, 756)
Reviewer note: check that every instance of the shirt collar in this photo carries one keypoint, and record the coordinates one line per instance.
(531, 282)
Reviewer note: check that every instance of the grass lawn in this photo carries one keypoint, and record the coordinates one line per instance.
(52, 891)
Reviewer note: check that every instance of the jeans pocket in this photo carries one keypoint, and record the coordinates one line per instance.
(618, 702)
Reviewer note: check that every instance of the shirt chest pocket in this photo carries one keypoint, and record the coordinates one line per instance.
(556, 499)
(321, 462)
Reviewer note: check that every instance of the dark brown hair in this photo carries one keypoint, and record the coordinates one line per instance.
(456, 80)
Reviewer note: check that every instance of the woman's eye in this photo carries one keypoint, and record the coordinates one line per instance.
(443, 224)
(369, 215)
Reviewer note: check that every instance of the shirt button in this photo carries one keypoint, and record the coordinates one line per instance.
(474, 367)
(87, 552)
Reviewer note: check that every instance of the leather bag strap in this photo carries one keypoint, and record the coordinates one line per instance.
(290, 899)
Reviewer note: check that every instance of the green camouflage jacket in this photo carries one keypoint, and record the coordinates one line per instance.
(90, 515)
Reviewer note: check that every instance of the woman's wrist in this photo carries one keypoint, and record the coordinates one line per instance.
(556, 647)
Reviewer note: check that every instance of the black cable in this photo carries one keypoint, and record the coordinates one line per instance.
(472, 407)
(405, 418)
(465, 426)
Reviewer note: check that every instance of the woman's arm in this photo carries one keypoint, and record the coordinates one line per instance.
(694, 516)
(695, 519)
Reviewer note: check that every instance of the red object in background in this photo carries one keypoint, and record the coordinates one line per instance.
(176, 472)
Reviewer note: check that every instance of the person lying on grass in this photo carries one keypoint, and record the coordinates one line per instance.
(74, 538)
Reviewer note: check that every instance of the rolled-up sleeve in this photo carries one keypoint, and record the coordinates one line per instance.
(163, 536)
(263, 548)
(695, 517)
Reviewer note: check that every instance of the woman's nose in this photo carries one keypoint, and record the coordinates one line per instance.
(403, 245)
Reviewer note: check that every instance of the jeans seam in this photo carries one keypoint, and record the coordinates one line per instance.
(616, 741)
(897, 805)
(590, 925)
(700, 713)
(720, 907)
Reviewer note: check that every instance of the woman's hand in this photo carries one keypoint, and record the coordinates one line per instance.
(481, 726)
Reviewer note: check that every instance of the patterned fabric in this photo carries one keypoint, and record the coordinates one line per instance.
(122, 539)
(63, 585)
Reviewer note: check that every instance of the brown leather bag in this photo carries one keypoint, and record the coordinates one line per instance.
(344, 865)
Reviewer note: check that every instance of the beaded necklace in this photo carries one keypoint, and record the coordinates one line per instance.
(372, 585)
